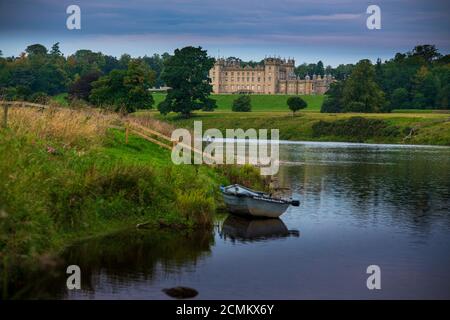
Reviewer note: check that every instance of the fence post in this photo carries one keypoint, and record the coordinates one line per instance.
(5, 115)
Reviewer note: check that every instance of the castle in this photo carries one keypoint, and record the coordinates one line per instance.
(272, 76)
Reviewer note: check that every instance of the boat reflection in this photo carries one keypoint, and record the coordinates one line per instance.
(244, 229)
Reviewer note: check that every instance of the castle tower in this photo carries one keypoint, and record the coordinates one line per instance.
(271, 70)
(216, 76)
(290, 67)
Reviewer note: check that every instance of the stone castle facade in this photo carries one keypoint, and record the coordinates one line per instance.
(273, 76)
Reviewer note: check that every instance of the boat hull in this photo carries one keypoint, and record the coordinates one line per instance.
(252, 207)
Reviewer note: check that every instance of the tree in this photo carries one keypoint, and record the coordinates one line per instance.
(333, 98)
(400, 99)
(82, 86)
(342, 71)
(296, 103)
(361, 93)
(125, 90)
(156, 63)
(427, 52)
(242, 104)
(186, 73)
(36, 49)
(55, 50)
(319, 68)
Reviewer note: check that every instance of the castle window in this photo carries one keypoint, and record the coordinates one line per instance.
(259, 79)
(270, 78)
(253, 79)
(248, 79)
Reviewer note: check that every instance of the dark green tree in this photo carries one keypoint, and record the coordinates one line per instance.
(320, 70)
(426, 51)
(296, 103)
(125, 90)
(186, 73)
(400, 99)
(36, 49)
(333, 98)
(55, 50)
(361, 93)
(242, 104)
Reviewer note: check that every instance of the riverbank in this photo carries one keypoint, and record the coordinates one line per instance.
(66, 176)
(397, 128)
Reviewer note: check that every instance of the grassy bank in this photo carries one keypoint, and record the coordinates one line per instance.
(260, 102)
(411, 128)
(65, 176)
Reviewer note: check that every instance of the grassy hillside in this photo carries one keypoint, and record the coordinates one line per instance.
(65, 175)
(260, 102)
(429, 128)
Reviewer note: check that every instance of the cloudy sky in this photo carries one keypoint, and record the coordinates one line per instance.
(331, 30)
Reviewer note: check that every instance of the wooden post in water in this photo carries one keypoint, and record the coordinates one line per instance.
(5, 116)
(127, 130)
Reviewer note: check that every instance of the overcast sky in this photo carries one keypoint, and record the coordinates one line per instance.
(333, 31)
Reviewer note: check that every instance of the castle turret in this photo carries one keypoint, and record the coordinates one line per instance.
(215, 75)
(271, 70)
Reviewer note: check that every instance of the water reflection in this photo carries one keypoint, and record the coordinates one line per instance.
(247, 230)
(132, 256)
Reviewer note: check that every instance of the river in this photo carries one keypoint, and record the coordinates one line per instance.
(360, 205)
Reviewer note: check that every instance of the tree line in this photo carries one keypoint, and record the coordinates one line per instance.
(86, 75)
(419, 79)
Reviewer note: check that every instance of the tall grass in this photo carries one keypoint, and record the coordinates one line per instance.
(72, 127)
(58, 183)
(147, 120)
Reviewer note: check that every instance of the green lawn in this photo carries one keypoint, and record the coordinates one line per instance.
(260, 102)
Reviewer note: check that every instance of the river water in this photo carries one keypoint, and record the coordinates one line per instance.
(360, 205)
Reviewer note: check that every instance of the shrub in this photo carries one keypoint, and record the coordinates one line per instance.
(246, 175)
(39, 97)
(195, 207)
(331, 105)
(242, 104)
(356, 128)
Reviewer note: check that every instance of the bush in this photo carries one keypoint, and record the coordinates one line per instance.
(331, 105)
(242, 104)
(195, 207)
(355, 128)
(246, 175)
(356, 106)
(39, 97)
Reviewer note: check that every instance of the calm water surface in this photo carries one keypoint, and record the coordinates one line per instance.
(360, 205)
